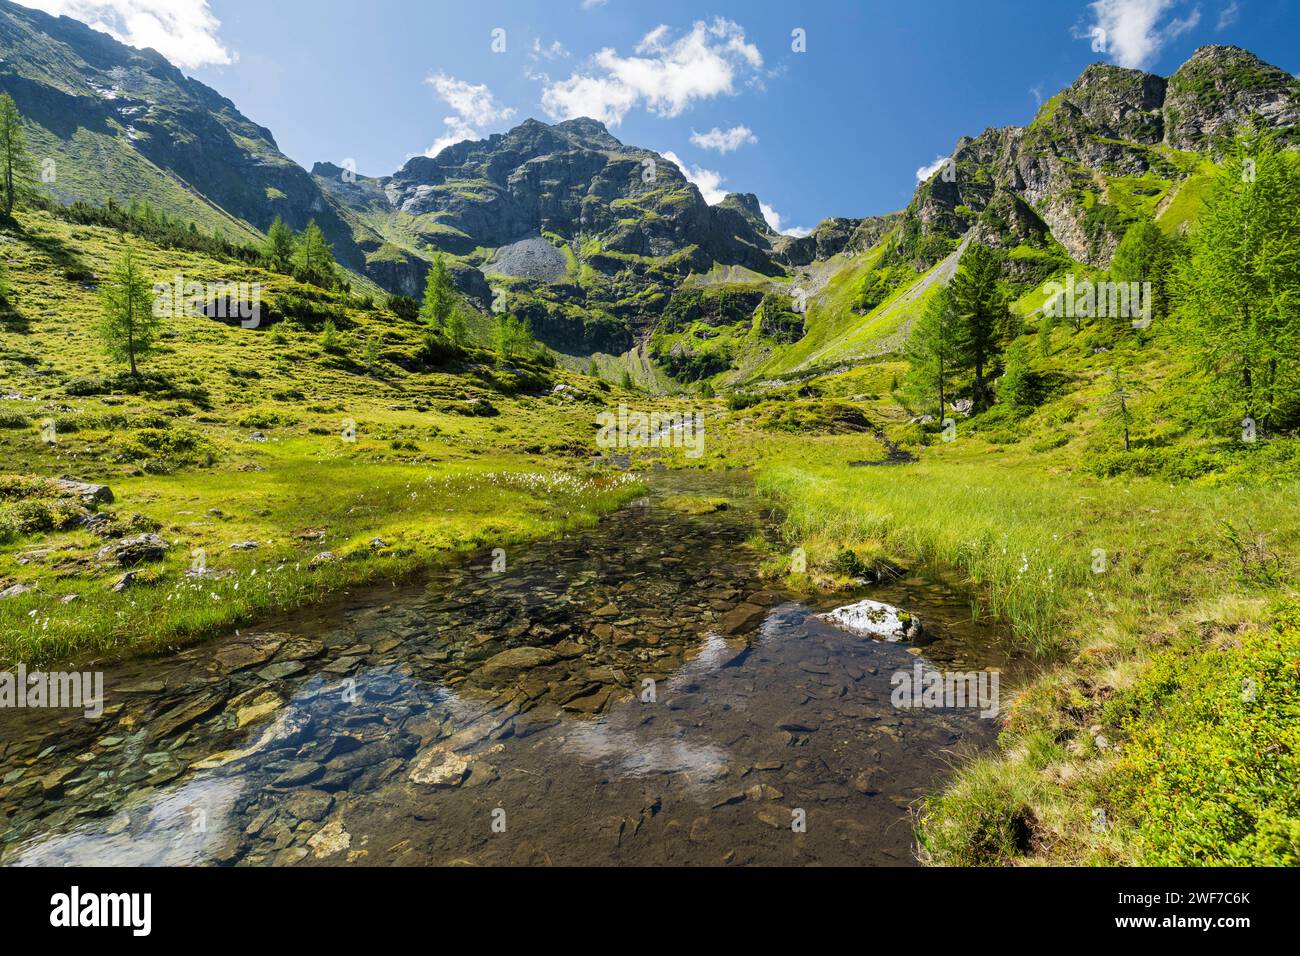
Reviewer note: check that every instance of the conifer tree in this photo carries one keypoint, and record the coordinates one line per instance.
(1239, 286)
(982, 317)
(130, 324)
(439, 296)
(932, 349)
(17, 171)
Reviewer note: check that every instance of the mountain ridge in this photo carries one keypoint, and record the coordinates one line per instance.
(628, 229)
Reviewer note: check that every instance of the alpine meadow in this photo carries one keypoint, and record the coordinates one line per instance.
(544, 503)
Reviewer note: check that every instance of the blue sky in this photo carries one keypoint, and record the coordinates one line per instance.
(840, 128)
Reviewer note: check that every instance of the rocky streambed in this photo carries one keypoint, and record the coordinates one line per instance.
(626, 694)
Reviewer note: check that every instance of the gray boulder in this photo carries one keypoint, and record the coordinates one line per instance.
(129, 552)
(88, 494)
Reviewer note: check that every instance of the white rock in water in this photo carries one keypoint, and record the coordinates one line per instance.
(873, 619)
(439, 767)
(330, 839)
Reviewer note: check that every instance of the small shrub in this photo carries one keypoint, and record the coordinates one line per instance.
(739, 401)
(33, 517)
(265, 418)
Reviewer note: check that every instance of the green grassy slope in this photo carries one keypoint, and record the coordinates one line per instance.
(230, 430)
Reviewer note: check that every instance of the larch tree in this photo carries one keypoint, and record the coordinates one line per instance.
(17, 171)
(279, 246)
(1145, 255)
(932, 349)
(313, 259)
(982, 317)
(439, 296)
(1239, 286)
(129, 325)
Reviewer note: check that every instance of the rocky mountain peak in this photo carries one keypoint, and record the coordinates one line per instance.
(1119, 103)
(1224, 53)
(1220, 88)
(1019, 184)
(589, 132)
(747, 205)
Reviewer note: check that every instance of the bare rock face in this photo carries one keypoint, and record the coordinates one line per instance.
(569, 179)
(748, 206)
(1221, 87)
(1118, 103)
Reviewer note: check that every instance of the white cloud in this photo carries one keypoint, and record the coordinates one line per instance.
(1229, 15)
(591, 96)
(774, 220)
(555, 51)
(724, 141)
(184, 31)
(667, 75)
(593, 4)
(1178, 26)
(1131, 33)
(474, 106)
(925, 172)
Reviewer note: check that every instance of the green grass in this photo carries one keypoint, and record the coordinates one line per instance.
(1187, 200)
(1137, 197)
(1209, 765)
(1144, 599)
(421, 515)
(423, 475)
(835, 333)
(102, 164)
(1028, 541)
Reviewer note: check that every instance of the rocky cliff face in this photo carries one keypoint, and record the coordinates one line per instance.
(125, 123)
(582, 234)
(573, 181)
(837, 236)
(587, 236)
(1058, 175)
(1220, 88)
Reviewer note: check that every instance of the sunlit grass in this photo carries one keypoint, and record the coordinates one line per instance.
(1053, 556)
(382, 523)
(352, 452)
